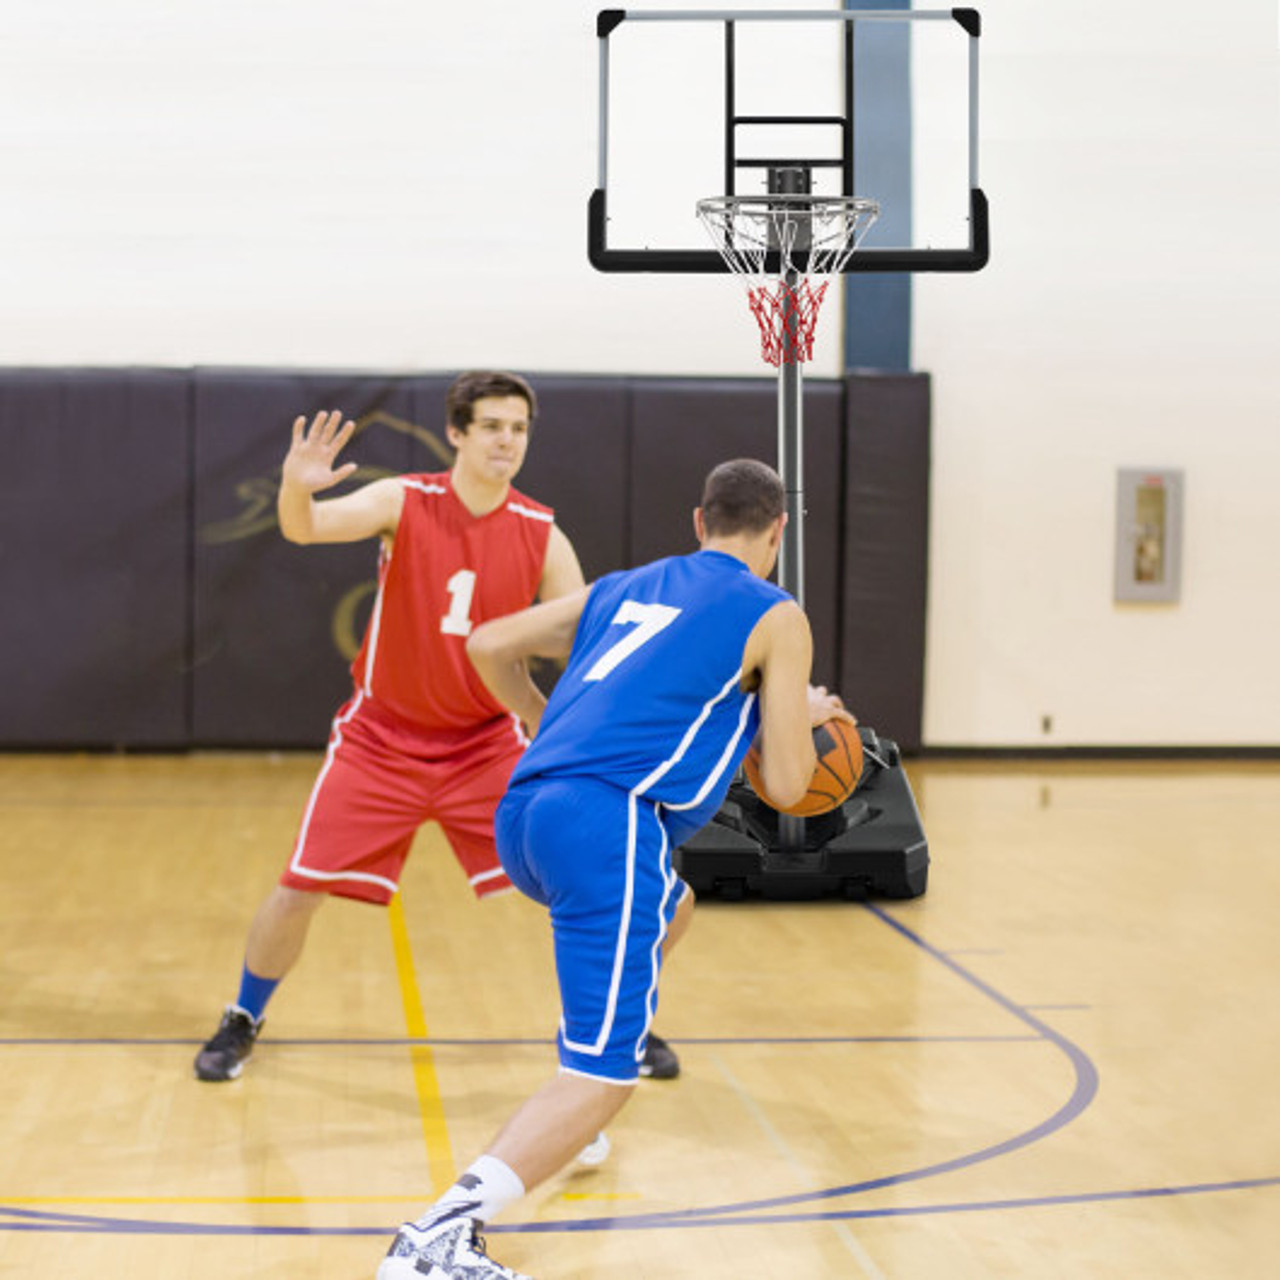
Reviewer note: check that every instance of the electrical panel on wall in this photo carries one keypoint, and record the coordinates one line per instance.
(1148, 534)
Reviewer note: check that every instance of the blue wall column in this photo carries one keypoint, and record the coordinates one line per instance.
(877, 321)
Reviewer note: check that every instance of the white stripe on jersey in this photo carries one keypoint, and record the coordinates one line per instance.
(424, 488)
(714, 776)
(522, 510)
(687, 741)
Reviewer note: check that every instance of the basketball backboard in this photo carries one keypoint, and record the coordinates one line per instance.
(881, 104)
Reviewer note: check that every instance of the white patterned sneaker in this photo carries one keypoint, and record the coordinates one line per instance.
(447, 1250)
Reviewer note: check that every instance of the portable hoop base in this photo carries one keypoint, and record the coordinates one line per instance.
(872, 846)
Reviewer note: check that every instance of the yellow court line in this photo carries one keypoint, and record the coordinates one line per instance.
(601, 1195)
(440, 1161)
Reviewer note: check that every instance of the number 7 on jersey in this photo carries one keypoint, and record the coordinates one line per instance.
(647, 619)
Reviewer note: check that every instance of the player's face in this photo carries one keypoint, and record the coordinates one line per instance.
(492, 449)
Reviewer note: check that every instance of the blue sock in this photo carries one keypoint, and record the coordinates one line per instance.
(255, 992)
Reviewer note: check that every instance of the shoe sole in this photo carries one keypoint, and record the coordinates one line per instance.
(407, 1269)
(666, 1073)
(220, 1079)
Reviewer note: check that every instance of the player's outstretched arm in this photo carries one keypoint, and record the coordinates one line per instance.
(499, 650)
(310, 467)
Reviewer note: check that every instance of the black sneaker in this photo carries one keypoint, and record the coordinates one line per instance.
(660, 1061)
(223, 1057)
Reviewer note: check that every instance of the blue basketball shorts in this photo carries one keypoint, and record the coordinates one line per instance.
(600, 861)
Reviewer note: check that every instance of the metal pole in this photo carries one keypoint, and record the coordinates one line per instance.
(791, 469)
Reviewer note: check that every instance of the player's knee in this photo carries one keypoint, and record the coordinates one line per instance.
(608, 1097)
(294, 903)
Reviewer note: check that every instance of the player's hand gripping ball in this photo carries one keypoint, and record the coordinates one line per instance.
(839, 748)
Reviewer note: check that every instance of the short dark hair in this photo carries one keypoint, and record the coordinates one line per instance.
(467, 388)
(742, 496)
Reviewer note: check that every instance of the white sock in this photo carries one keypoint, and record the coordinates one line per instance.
(484, 1190)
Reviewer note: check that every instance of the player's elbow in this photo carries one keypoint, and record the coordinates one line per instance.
(300, 533)
(483, 646)
(787, 781)
(786, 795)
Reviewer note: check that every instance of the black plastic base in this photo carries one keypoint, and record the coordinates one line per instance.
(872, 846)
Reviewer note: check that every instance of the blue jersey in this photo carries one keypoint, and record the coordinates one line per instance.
(651, 699)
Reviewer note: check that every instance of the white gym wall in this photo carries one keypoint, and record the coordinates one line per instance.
(401, 186)
(1130, 317)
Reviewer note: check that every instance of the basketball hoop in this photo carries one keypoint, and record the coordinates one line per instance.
(785, 249)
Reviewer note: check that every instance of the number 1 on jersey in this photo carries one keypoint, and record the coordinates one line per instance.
(461, 587)
(648, 620)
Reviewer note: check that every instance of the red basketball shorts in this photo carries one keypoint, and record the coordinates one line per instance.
(382, 778)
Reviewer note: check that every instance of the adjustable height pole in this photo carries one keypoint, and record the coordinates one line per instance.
(791, 180)
(791, 469)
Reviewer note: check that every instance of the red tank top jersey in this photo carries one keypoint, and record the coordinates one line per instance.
(446, 572)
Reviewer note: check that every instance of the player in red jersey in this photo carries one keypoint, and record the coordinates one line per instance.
(421, 738)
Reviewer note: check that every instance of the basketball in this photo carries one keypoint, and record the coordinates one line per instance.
(839, 748)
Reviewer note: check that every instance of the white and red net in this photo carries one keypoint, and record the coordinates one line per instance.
(785, 249)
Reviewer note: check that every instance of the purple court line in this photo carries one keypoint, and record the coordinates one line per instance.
(916, 1211)
(1082, 1094)
(437, 1042)
(1086, 1084)
(748, 1212)
(81, 1224)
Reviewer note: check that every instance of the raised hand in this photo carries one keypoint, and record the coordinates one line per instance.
(309, 464)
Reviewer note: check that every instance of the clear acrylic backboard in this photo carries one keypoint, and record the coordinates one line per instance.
(878, 104)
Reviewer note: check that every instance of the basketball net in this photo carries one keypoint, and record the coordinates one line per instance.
(785, 249)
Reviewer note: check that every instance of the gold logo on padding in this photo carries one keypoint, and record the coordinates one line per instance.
(256, 498)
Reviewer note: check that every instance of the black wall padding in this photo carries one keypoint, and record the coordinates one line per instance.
(577, 463)
(683, 428)
(886, 552)
(149, 600)
(94, 557)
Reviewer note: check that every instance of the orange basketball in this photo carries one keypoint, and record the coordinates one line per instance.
(839, 748)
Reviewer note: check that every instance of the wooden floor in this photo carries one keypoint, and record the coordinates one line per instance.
(1060, 1062)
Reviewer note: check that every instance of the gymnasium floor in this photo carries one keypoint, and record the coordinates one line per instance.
(1060, 1062)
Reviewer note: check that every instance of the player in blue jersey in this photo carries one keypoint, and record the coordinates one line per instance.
(672, 670)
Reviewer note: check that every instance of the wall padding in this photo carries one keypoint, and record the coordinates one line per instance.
(94, 557)
(886, 552)
(151, 602)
